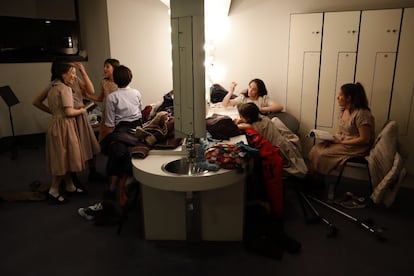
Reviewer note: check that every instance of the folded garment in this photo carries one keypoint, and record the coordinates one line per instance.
(141, 150)
(170, 143)
(205, 165)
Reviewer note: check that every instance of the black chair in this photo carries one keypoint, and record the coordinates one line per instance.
(362, 160)
(359, 161)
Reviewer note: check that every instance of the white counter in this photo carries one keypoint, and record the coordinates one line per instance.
(218, 205)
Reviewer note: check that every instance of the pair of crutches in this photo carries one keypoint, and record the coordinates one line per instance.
(332, 229)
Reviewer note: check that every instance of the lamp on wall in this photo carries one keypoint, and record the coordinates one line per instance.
(193, 60)
(216, 29)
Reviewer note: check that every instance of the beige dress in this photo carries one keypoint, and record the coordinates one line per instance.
(107, 87)
(63, 148)
(89, 144)
(326, 157)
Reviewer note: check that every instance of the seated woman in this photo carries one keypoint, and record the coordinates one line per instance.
(356, 129)
(286, 140)
(256, 93)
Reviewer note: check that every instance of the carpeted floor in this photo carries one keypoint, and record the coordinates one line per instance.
(39, 238)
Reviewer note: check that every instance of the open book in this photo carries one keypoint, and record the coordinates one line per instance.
(321, 134)
(90, 106)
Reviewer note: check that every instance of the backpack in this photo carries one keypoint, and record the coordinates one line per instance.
(217, 93)
(221, 127)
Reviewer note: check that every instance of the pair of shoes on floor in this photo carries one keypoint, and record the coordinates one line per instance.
(351, 201)
(345, 197)
(59, 199)
(90, 212)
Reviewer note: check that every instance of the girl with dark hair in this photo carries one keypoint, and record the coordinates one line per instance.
(256, 93)
(356, 128)
(123, 113)
(63, 146)
(81, 87)
(107, 87)
(277, 135)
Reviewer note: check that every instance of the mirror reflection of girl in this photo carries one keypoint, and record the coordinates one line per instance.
(63, 146)
(256, 93)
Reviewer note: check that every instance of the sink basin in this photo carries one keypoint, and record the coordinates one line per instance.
(183, 167)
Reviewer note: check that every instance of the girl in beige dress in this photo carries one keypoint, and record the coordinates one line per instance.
(356, 131)
(89, 145)
(63, 147)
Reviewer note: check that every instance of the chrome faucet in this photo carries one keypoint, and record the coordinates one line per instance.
(190, 146)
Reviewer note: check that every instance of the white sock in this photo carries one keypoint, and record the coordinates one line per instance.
(54, 191)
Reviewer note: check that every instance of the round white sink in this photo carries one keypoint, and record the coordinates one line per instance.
(175, 177)
(182, 167)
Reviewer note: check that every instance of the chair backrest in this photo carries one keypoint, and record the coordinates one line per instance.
(381, 155)
(288, 119)
(387, 137)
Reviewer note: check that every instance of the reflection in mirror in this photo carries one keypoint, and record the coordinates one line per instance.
(187, 36)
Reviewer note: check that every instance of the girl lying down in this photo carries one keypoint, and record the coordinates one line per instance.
(276, 133)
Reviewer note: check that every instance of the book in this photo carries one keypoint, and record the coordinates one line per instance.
(321, 134)
(90, 106)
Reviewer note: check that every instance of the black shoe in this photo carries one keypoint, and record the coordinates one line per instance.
(58, 199)
(264, 246)
(285, 242)
(96, 177)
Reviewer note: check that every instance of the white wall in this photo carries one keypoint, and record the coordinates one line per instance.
(27, 79)
(138, 35)
(257, 45)
(140, 38)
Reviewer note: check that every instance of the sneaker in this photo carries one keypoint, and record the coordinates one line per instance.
(96, 207)
(354, 203)
(90, 212)
(345, 197)
(85, 212)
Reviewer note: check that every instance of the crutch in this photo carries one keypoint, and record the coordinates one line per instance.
(333, 231)
(377, 232)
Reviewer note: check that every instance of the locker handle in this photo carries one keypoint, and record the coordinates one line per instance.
(393, 30)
